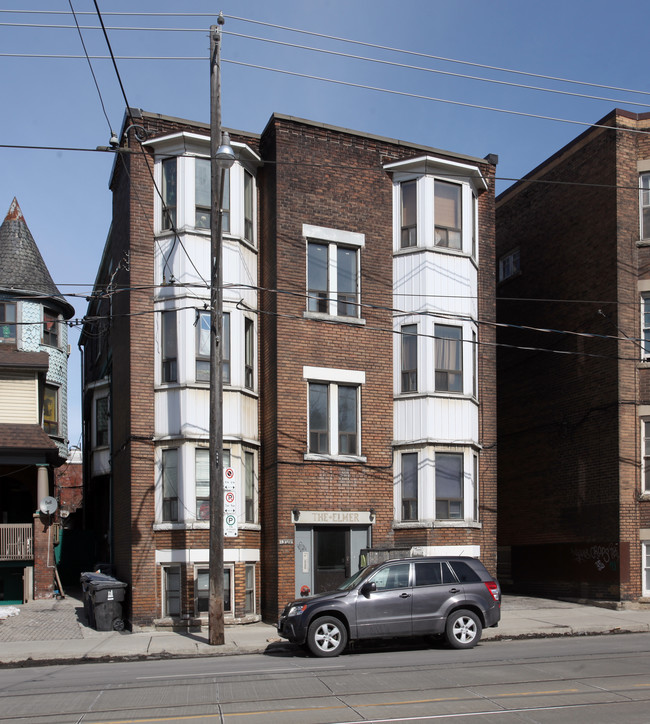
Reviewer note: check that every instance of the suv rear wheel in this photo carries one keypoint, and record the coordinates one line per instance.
(463, 629)
(327, 636)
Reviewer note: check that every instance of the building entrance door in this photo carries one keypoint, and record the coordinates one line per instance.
(331, 557)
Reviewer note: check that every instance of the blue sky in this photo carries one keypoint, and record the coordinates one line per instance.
(54, 102)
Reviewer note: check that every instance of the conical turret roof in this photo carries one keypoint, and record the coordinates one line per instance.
(22, 269)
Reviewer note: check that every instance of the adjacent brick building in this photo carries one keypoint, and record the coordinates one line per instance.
(359, 390)
(573, 241)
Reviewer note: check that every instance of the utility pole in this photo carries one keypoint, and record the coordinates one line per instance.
(215, 610)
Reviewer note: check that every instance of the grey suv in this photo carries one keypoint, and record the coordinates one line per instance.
(454, 596)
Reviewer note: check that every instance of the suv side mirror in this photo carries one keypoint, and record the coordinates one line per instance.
(368, 588)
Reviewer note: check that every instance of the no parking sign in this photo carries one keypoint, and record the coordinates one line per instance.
(230, 529)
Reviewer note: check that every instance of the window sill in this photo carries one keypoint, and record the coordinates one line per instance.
(199, 525)
(314, 458)
(437, 249)
(643, 242)
(401, 525)
(645, 495)
(358, 321)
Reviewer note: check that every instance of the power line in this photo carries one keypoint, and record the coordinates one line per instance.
(325, 36)
(420, 96)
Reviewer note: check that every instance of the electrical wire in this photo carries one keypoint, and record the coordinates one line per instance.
(90, 65)
(334, 38)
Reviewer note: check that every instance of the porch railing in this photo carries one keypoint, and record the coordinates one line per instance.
(16, 542)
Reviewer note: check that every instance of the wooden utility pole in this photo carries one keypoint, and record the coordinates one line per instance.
(215, 610)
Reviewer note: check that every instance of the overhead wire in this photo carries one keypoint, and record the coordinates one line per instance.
(326, 36)
(143, 152)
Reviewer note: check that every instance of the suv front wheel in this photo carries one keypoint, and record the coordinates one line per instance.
(463, 629)
(327, 636)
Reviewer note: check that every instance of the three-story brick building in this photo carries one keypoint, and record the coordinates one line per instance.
(359, 368)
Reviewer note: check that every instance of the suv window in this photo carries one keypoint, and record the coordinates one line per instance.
(432, 573)
(392, 577)
(464, 572)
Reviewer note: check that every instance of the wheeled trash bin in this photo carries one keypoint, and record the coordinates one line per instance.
(106, 595)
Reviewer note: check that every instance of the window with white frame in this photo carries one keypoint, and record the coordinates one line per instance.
(7, 322)
(169, 192)
(203, 327)
(644, 205)
(409, 486)
(645, 442)
(437, 485)
(169, 346)
(408, 216)
(249, 353)
(449, 358)
(101, 421)
(450, 481)
(202, 482)
(334, 400)
(249, 487)
(169, 475)
(249, 205)
(50, 335)
(509, 265)
(249, 588)
(646, 568)
(333, 432)
(333, 271)
(203, 198)
(448, 215)
(202, 590)
(645, 322)
(171, 591)
(409, 357)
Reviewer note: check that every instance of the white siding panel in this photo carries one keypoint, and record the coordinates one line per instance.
(441, 419)
(19, 398)
(435, 281)
(191, 406)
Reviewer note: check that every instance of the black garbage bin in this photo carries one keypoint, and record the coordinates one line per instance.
(88, 604)
(105, 595)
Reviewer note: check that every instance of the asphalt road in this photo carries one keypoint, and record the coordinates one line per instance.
(580, 679)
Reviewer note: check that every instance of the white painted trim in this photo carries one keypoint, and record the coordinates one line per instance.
(337, 236)
(434, 164)
(472, 550)
(329, 374)
(202, 556)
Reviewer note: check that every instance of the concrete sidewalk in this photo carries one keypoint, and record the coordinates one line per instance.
(54, 631)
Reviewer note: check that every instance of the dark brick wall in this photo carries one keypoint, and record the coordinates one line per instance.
(569, 443)
(329, 178)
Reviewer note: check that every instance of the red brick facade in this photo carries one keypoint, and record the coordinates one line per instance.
(570, 507)
(310, 175)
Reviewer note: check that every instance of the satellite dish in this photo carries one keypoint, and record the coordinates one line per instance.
(48, 505)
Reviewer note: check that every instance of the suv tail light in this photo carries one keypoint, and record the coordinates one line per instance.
(493, 588)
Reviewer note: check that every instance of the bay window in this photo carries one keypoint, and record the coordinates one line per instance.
(170, 485)
(408, 193)
(169, 192)
(409, 358)
(409, 486)
(449, 486)
(169, 347)
(447, 214)
(449, 358)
